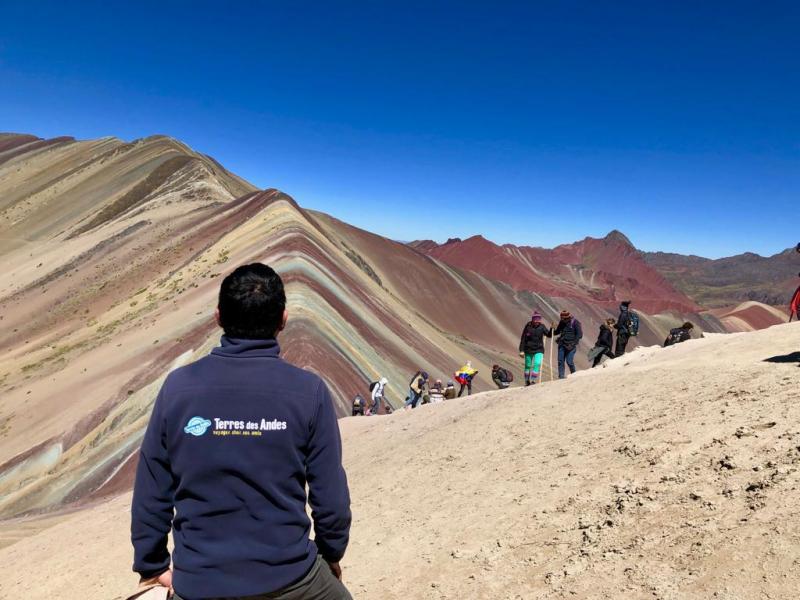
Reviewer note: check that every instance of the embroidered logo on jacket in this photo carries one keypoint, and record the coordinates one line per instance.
(197, 426)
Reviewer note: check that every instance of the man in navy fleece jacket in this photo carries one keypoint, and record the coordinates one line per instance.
(232, 442)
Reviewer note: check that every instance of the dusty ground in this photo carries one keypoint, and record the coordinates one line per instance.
(669, 474)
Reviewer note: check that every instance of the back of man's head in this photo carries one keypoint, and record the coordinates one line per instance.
(252, 302)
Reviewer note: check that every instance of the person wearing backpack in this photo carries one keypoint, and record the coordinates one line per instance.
(627, 326)
(604, 343)
(376, 391)
(569, 332)
(531, 346)
(502, 377)
(416, 387)
(679, 334)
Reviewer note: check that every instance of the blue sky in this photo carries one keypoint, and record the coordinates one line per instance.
(534, 123)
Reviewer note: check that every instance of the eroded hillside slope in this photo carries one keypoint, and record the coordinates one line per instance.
(115, 252)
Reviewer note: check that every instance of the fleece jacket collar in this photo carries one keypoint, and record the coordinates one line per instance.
(241, 348)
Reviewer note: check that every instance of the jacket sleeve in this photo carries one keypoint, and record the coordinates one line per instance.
(559, 327)
(522, 339)
(549, 332)
(578, 330)
(329, 495)
(153, 493)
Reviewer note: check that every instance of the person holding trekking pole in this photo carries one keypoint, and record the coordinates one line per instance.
(531, 346)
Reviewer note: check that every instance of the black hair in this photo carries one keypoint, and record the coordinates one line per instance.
(251, 303)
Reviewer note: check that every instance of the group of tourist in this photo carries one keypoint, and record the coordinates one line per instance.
(420, 391)
(568, 333)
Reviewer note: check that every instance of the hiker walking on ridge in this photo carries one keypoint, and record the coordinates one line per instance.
(627, 326)
(502, 377)
(679, 334)
(604, 343)
(416, 387)
(531, 346)
(377, 391)
(569, 332)
(464, 377)
(233, 440)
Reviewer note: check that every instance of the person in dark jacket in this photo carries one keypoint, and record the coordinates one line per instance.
(531, 346)
(501, 377)
(232, 443)
(604, 343)
(358, 406)
(679, 334)
(570, 333)
(623, 327)
(416, 389)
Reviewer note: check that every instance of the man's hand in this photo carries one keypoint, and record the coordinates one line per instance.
(522, 354)
(165, 579)
(335, 569)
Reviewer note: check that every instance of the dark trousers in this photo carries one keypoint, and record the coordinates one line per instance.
(622, 341)
(607, 352)
(318, 584)
(500, 384)
(467, 386)
(566, 355)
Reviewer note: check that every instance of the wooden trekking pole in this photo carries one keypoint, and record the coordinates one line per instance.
(550, 359)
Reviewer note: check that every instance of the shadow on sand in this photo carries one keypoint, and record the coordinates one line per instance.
(793, 357)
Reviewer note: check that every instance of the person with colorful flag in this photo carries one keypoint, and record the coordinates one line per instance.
(464, 377)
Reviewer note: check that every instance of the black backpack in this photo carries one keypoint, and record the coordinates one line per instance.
(633, 323)
(372, 386)
(676, 336)
(509, 375)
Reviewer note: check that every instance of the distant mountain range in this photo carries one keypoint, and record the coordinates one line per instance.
(611, 269)
(601, 271)
(728, 281)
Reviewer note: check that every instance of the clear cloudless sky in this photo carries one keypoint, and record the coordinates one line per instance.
(535, 123)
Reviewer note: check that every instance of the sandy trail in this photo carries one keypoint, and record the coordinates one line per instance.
(669, 474)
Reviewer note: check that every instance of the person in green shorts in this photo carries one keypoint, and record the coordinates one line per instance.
(531, 346)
